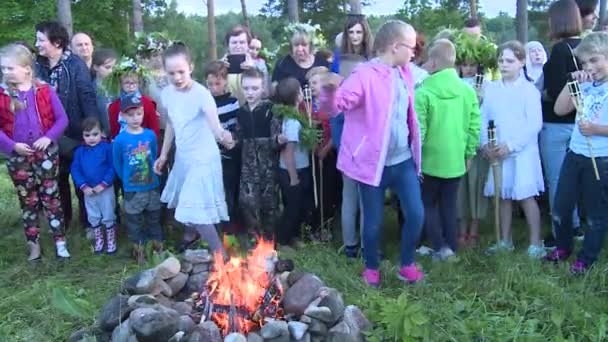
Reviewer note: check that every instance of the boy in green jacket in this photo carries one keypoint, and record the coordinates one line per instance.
(448, 112)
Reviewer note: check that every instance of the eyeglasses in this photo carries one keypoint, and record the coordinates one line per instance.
(412, 48)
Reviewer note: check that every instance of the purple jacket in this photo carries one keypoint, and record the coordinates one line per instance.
(366, 98)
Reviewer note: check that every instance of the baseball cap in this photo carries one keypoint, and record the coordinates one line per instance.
(130, 101)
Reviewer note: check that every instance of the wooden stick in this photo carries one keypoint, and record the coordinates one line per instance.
(496, 174)
(308, 104)
(321, 194)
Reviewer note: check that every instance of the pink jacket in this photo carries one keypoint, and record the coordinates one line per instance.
(366, 99)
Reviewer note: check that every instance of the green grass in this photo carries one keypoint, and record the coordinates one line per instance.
(480, 298)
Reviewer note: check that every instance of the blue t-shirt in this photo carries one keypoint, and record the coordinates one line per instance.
(595, 97)
(134, 156)
(291, 129)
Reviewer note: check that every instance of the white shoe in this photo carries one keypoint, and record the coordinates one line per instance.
(62, 249)
(424, 250)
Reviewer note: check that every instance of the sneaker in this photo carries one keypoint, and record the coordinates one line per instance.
(371, 277)
(537, 252)
(445, 253)
(558, 255)
(579, 235)
(579, 267)
(351, 252)
(411, 274)
(62, 249)
(550, 242)
(502, 246)
(424, 251)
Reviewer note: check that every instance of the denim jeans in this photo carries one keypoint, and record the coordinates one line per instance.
(403, 180)
(439, 197)
(577, 181)
(350, 205)
(554, 142)
(297, 201)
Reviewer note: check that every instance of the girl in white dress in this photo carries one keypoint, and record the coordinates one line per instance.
(194, 187)
(514, 104)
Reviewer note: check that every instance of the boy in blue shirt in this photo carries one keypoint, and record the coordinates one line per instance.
(93, 173)
(577, 178)
(134, 152)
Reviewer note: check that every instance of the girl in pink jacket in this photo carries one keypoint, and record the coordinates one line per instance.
(380, 145)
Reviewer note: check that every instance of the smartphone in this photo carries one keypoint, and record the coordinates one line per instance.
(235, 62)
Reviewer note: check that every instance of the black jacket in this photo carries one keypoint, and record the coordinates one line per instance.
(555, 72)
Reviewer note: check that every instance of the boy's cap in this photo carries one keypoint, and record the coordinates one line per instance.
(130, 101)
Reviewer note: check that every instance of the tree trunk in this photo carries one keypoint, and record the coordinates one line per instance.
(473, 8)
(244, 11)
(602, 14)
(292, 11)
(138, 16)
(64, 14)
(211, 30)
(521, 18)
(355, 7)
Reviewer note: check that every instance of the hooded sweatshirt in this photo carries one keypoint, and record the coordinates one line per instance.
(448, 113)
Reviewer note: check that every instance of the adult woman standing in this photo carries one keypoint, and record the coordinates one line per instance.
(237, 42)
(565, 27)
(71, 79)
(299, 61)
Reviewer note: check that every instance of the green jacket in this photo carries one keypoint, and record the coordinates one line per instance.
(448, 113)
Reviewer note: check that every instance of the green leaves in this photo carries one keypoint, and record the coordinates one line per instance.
(399, 320)
(69, 303)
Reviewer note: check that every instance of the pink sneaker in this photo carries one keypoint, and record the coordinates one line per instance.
(410, 273)
(371, 277)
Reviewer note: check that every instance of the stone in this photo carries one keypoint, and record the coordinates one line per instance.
(168, 268)
(145, 282)
(121, 333)
(164, 301)
(355, 319)
(177, 337)
(114, 312)
(165, 289)
(299, 295)
(283, 279)
(319, 312)
(295, 276)
(317, 327)
(183, 308)
(306, 338)
(235, 337)
(305, 319)
(204, 332)
(90, 334)
(198, 256)
(142, 301)
(200, 268)
(284, 266)
(254, 337)
(274, 328)
(297, 329)
(185, 266)
(341, 332)
(282, 338)
(196, 282)
(314, 338)
(154, 324)
(185, 324)
(332, 299)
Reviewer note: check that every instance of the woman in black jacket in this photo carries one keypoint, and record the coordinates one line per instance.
(70, 77)
(565, 27)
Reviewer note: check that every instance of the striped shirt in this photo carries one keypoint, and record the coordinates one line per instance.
(227, 109)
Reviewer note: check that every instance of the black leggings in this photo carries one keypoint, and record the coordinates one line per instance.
(439, 198)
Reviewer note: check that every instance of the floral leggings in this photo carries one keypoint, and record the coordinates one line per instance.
(35, 179)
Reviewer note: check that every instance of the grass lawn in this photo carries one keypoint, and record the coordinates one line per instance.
(502, 298)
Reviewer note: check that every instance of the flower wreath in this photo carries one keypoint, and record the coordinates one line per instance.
(151, 43)
(314, 31)
(125, 66)
(469, 48)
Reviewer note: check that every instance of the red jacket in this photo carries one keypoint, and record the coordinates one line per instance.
(151, 120)
(43, 108)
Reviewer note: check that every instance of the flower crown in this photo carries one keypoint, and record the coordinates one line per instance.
(125, 66)
(314, 31)
(148, 44)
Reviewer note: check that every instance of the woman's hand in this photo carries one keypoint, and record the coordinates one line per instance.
(42, 144)
(23, 149)
(226, 140)
(248, 63)
(159, 164)
(501, 152)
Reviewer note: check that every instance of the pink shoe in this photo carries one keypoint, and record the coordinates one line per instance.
(371, 277)
(410, 273)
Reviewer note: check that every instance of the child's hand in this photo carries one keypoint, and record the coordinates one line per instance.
(294, 181)
(99, 188)
(324, 151)
(587, 128)
(332, 81)
(23, 149)
(248, 63)
(282, 139)
(42, 144)
(501, 152)
(226, 140)
(468, 163)
(581, 76)
(159, 165)
(88, 191)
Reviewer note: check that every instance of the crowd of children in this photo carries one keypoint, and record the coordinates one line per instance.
(226, 154)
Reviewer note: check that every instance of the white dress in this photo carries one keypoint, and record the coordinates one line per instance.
(516, 111)
(194, 187)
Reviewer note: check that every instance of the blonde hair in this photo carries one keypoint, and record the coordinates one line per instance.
(319, 70)
(593, 43)
(23, 57)
(389, 33)
(300, 36)
(443, 52)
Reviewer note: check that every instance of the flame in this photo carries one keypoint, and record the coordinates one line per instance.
(241, 284)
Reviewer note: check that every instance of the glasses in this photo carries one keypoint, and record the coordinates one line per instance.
(412, 48)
